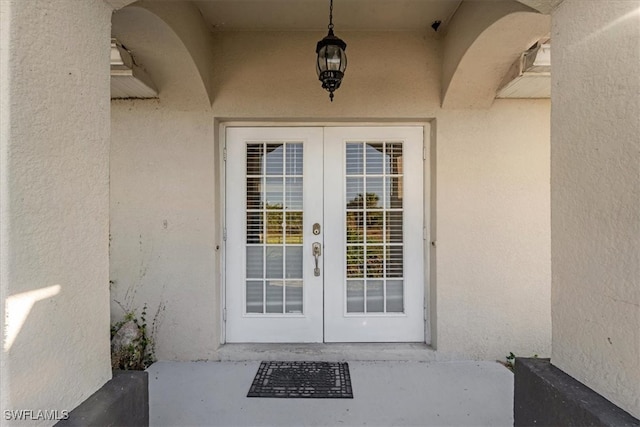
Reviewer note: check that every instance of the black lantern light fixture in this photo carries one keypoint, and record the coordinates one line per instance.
(331, 61)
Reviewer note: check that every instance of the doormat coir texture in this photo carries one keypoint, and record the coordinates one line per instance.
(302, 379)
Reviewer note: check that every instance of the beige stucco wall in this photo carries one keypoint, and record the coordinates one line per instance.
(163, 224)
(273, 75)
(493, 253)
(163, 217)
(492, 209)
(54, 127)
(595, 199)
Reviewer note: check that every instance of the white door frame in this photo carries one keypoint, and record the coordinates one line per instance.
(428, 212)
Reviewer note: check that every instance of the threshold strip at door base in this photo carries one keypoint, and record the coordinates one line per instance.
(334, 352)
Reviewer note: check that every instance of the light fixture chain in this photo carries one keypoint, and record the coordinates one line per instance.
(331, 15)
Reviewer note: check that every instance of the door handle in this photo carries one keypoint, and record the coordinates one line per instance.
(316, 249)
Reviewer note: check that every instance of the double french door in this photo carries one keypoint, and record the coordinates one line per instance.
(324, 234)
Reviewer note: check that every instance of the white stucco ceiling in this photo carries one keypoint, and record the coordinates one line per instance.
(301, 15)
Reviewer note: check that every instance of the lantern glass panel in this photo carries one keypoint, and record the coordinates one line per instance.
(320, 63)
(343, 62)
(334, 56)
(331, 57)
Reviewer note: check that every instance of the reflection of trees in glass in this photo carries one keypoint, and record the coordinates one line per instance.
(355, 229)
(293, 228)
(355, 261)
(357, 232)
(274, 223)
(374, 223)
(357, 202)
(375, 261)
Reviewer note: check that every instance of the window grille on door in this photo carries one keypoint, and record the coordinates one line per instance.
(374, 227)
(274, 232)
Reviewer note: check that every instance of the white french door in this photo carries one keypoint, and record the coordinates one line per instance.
(273, 198)
(324, 234)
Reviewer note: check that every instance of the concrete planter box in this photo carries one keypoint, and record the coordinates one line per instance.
(546, 396)
(122, 401)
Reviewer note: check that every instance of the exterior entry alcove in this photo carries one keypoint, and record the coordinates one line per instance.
(166, 171)
(491, 190)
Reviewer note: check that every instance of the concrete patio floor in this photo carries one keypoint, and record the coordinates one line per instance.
(386, 393)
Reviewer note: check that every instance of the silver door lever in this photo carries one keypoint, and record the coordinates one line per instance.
(317, 251)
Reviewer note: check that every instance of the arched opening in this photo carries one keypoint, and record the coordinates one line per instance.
(476, 61)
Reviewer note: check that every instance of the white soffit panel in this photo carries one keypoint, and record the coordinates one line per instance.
(530, 76)
(527, 86)
(127, 79)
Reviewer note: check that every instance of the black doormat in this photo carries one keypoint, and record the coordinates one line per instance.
(302, 379)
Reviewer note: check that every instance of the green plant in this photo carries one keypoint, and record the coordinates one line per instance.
(511, 361)
(139, 352)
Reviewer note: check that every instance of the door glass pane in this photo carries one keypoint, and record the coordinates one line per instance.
(275, 159)
(394, 261)
(294, 296)
(294, 159)
(394, 192)
(293, 268)
(355, 193)
(374, 158)
(254, 296)
(375, 295)
(274, 231)
(355, 261)
(355, 227)
(275, 293)
(393, 178)
(375, 261)
(394, 227)
(355, 159)
(355, 296)
(294, 227)
(395, 296)
(393, 159)
(255, 159)
(293, 194)
(374, 227)
(274, 262)
(254, 193)
(255, 227)
(254, 262)
(375, 192)
(274, 193)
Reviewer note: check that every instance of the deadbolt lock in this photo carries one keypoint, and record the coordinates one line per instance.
(316, 229)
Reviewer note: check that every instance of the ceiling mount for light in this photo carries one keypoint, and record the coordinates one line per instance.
(332, 60)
